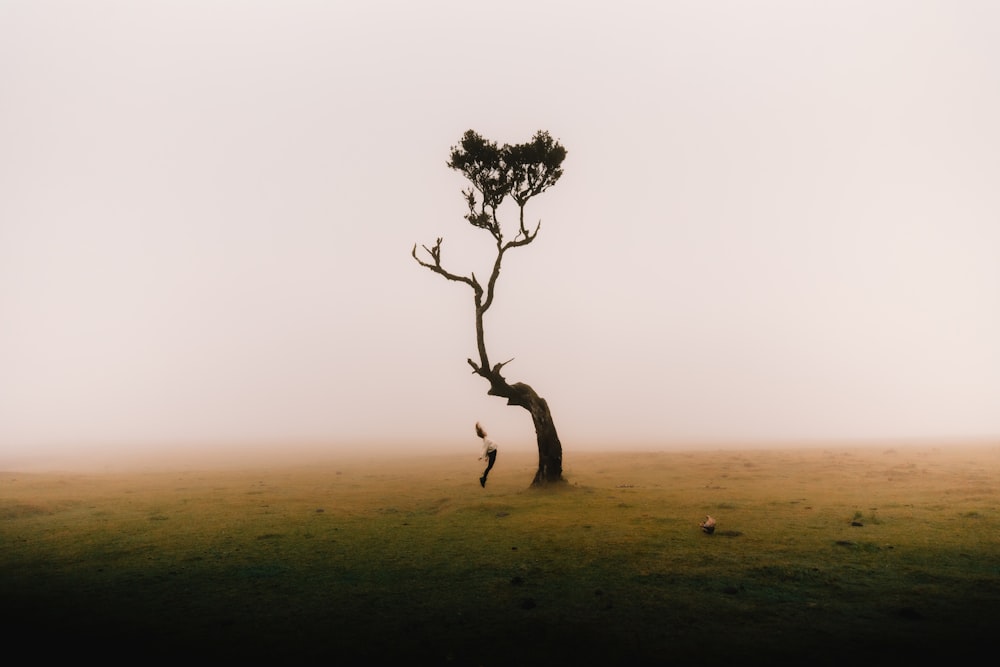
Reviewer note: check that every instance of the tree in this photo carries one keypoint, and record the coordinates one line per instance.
(496, 173)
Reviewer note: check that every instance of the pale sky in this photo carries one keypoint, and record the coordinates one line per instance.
(779, 222)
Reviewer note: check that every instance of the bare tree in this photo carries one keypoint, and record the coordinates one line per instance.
(496, 173)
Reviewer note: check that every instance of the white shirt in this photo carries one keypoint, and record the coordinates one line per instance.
(488, 446)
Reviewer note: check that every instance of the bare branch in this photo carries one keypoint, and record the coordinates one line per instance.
(528, 237)
(496, 368)
(436, 267)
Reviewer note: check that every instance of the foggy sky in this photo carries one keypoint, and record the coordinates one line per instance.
(779, 222)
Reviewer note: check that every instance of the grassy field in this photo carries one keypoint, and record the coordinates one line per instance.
(821, 557)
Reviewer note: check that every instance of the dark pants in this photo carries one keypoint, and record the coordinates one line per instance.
(492, 458)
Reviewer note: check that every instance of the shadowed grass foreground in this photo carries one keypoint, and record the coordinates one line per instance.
(820, 557)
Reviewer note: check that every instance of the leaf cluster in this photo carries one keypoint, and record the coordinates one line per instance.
(518, 171)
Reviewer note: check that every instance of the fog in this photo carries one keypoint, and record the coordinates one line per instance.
(778, 224)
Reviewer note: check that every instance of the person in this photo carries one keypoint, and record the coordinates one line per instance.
(489, 453)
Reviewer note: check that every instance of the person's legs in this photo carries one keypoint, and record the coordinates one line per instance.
(492, 457)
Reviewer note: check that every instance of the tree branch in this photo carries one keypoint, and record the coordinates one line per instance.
(436, 267)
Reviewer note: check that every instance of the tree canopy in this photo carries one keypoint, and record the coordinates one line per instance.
(519, 171)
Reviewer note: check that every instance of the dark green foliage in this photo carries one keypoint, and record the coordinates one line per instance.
(519, 171)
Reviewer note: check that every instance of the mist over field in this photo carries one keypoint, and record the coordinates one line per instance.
(388, 455)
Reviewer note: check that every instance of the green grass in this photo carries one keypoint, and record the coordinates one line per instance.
(820, 557)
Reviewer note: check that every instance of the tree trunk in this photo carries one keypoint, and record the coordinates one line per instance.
(549, 446)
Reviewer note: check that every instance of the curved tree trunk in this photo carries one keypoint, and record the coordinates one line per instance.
(549, 446)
